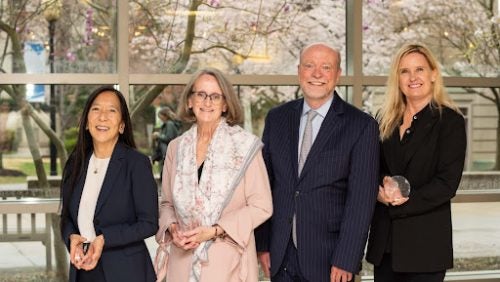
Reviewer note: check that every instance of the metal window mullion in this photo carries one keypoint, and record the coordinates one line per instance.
(123, 48)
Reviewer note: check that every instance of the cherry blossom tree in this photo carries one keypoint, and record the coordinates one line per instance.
(464, 35)
(260, 37)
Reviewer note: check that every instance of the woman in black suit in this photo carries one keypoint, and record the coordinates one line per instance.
(423, 139)
(109, 196)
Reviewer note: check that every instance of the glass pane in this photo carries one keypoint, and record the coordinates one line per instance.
(146, 119)
(249, 37)
(482, 118)
(24, 158)
(17, 151)
(256, 102)
(83, 38)
(466, 43)
(475, 241)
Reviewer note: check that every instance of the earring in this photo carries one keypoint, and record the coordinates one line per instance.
(121, 130)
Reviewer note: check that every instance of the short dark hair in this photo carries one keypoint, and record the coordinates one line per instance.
(167, 112)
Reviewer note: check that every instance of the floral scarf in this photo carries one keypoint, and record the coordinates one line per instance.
(200, 204)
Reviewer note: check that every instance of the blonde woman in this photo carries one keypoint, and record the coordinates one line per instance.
(423, 139)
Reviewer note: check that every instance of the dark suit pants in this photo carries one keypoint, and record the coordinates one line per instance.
(289, 270)
(384, 273)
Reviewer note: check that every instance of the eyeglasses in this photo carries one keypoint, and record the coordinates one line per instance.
(325, 67)
(200, 96)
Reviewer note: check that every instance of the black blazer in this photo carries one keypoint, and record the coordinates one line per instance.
(419, 232)
(126, 214)
(334, 196)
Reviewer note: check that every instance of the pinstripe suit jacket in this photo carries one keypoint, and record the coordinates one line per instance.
(334, 196)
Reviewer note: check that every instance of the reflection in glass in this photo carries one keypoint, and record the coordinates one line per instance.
(262, 37)
(481, 115)
(397, 187)
(464, 45)
(84, 37)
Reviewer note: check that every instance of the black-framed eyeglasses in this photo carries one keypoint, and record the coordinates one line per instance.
(201, 96)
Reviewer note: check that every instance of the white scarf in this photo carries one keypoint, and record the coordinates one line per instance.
(200, 204)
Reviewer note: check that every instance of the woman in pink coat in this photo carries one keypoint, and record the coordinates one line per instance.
(215, 189)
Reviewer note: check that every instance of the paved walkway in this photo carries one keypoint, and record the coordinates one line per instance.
(476, 234)
(476, 229)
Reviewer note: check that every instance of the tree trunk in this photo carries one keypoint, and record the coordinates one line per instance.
(181, 63)
(61, 150)
(145, 101)
(35, 152)
(18, 93)
(59, 248)
(497, 158)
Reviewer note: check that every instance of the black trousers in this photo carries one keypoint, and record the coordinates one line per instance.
(290, 270)
(384, 273)
(94, 275)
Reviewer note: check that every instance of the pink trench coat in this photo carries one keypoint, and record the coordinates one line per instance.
(228, 259)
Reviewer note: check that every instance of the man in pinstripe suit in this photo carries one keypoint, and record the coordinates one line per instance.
(323, 203)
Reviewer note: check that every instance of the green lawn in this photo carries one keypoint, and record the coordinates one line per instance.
(12, 179)
(24, 165)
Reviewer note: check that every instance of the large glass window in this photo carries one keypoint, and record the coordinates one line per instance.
(58, 36)
(480, 109)
(52, 57)
(463, 35)
(256, 37)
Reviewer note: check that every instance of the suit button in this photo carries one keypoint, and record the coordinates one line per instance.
(96, 221)
(297, 193)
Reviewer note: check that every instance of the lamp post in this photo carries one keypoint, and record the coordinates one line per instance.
(52, 12)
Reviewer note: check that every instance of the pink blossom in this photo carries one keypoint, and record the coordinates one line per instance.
(215, 3)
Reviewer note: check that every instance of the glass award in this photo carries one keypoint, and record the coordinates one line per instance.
(398, 186)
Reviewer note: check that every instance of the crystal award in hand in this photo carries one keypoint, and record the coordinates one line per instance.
(398, 186)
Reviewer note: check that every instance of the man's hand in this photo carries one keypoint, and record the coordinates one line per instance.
(340, 275)
(265, 263)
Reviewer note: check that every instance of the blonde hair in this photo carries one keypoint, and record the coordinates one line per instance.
(234, 113)
(394, 105)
